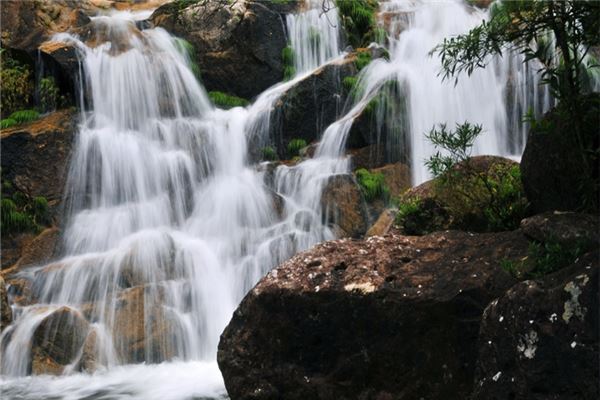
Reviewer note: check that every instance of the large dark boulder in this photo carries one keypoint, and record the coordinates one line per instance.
(57, 340)
(540, 339)
(308, 107)
(35, 156)
(392, 317)
(238, 44)
(555, 175)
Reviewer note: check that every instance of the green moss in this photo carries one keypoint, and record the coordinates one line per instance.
(24, 116)
(372, 184)
(269, 153)
(188, 50)
(14, 221)
(363, 59)
(358, 20)
(7, 123)
(226, 101)
(294, 147)
(287, 57)
(349, 82)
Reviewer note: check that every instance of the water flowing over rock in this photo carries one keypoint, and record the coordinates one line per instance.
(540, 339)
(5, 310)
(243, 39)
(395, 317)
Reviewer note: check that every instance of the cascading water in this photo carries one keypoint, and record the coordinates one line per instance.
(168, 222)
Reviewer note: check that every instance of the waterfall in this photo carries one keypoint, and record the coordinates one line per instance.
(314, 35)
(170, 222)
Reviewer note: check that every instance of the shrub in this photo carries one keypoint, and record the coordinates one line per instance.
(491, 200)
(7, 123)
(372, 184)
(24, 116)
(227, 101)
(421, 216)
(50, 97)
(14, 221)
(358, 20)
(269, 153)
(294, 147)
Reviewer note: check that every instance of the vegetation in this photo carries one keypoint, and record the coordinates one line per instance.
(20, 213)
(543, 259)
(358, 20)
(23, 116)
(7, 123)
(188, 50)
(50, 98)
(294, 147)
(557, 34)
(288, 57)
(465, 189)
(17, 84)
(269, 153)
(363, 58)
(372, 184)
(227, 101)
(418, 216)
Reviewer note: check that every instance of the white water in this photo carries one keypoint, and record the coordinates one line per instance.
(314, 35)
(163, 196)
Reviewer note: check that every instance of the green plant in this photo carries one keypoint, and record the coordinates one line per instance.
(407, 208)
(14, 221)
(17, 85)
(39, 210)
(358, 20)
(50, 97)
(492, 197)
(188, 50)
(287, 58)
(294, 147)
(227, 101)
(363, 58)
(22, 116)
(7, 123)
(269, 153)
(372, 185)
(349, 82)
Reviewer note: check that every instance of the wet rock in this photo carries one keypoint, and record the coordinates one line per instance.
(389, 317)
(383, 224)
(37, 251)
(142, 328)
(553, 173)
(35, 156)
(368, 157)
(396, 177)
(540, 339)
(344, 205)
(242, 39)
(57, 340)
(5, 310)
(567, 228)
(308, 107)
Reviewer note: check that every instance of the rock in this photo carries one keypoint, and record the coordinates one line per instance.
(308, 107)
(5, 310)
(383, 224)
(367, 157)
(344, 205)
(554, 176)
(540, 339)
(57, 340)
(396, 176)
(392, 317)
(567, 228)
(441, 207)
(35, 156)
(142, 331)
(37, 251)
(243, 39)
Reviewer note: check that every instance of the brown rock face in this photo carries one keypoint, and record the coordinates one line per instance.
(392, 317)
(540, 339)
(344, 205)
(5, 310)
(57, 340)
(567, 228)
(141, 327)
(35, 156)
(241, 39)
